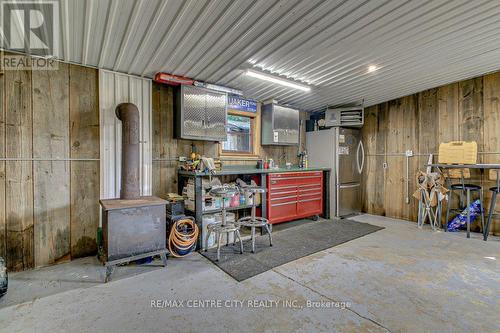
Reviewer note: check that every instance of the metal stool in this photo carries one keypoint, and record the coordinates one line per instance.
(467, 188)
(253, 221)
(223, 227)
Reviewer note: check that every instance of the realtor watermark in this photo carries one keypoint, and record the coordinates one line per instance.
(21, 62)
(31, 28)
(249, 303)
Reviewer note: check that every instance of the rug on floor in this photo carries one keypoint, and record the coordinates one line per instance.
(288, 245)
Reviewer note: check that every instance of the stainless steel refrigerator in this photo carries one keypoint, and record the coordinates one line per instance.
(340, 149)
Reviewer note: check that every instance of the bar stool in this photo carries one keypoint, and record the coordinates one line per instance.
(495, 190)
(466, 189)
(223, 227)
(254, 221)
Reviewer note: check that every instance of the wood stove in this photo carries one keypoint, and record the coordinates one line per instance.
(134, 226)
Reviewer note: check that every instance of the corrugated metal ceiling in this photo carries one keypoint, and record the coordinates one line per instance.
(327, 43)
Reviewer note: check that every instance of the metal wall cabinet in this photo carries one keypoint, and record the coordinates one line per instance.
(200, 114)
(280, 125)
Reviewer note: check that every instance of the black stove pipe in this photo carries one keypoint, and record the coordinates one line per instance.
(129, 115)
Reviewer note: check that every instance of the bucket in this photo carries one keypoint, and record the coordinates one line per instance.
(230, 217)
(206, 221)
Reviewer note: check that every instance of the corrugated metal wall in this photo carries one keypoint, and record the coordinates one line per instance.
(115, 88)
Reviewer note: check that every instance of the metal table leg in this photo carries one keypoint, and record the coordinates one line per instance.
(419, 219)
(481, 199)
(448, 202)
(486, 230)
(468, 213)
(163, 257)
(109, 271)
(252, 230)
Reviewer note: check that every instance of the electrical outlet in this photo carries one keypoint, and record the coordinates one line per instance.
(409, 153)
(182, 158)
(384, 165)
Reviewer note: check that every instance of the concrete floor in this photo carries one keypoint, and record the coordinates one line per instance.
(399, 279)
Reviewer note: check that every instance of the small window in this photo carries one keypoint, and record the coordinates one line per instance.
(239, 135)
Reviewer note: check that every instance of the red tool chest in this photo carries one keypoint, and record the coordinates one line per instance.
(294, 195)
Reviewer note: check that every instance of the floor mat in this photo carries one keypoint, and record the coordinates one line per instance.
(288, 245)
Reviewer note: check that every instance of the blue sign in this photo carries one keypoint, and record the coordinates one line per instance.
(241, 104)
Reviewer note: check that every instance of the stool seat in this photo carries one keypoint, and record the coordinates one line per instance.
(250, 221)
(495, 189)
(471, 187)
(218, 227)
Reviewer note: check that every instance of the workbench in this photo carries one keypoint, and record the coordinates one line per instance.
(236, 171)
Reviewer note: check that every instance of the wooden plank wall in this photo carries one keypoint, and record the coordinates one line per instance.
(50, 100)
(468, 110)
(166, 149)
(19, 173)
(84, 144)
(48, 204)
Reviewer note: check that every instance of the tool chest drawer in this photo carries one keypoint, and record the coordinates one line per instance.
(294, 195)
(295, 178)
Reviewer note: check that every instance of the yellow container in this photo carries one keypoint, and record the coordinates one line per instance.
(458, 152)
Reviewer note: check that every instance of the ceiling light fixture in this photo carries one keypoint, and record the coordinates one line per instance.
(274, 79)
(372, 68)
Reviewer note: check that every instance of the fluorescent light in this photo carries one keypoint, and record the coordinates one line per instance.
(274, 79)
(216, 87)
(372, 68)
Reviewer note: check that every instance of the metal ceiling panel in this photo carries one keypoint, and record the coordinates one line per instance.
(215, 44)
(328, 43)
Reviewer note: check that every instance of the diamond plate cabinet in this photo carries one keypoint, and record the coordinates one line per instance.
(280, 125)
(200, 114)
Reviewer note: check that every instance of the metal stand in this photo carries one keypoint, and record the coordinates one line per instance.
(110, 265)
(426, 211)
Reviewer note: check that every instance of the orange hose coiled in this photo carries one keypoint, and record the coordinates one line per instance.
(182, 241)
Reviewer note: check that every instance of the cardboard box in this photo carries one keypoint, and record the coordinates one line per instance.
(458, 152)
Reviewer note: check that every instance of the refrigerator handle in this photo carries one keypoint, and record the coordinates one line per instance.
(357, 157)
(362, 155)
(360, 166)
